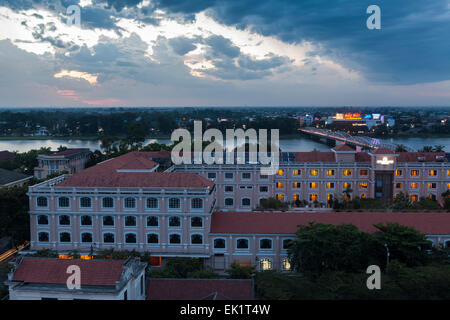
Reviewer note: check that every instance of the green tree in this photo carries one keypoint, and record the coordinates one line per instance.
(240, 272)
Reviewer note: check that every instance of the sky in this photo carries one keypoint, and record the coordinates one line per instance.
(223, 53)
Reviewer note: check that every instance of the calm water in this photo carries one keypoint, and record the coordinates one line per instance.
(299, 144)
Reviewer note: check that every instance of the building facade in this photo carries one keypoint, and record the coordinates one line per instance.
(70, 161)
(125, 204)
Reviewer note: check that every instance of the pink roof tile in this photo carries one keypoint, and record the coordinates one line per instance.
(343, 147)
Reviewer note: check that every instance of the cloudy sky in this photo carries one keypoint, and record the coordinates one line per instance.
(224, 53)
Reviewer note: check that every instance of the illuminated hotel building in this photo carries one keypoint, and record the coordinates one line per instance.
(208, 211)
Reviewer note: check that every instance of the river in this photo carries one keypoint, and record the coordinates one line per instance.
(298, 144)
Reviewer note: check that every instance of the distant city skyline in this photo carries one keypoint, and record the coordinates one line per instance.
(160, 53)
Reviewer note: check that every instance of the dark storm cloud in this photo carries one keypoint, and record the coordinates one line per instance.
(182, 45)
(222, 46)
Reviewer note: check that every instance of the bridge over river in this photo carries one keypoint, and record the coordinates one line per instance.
(362, 141)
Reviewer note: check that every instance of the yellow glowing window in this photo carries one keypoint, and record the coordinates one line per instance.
(363, 172)
(266, 264)
(432, 196)
(280, 172)
(280, 185)
(64, 256)
(295, 172)
(313, 197)
(448, 185)
(330, 185)
(398, 185)
(329, 197)
(313, 172)
(414, 172)
(448, 172)
(363, 185)
(347, 172)
(346, 197)
(347, 185)
(280, 197)
(85, 257)
(330, 172)
(414, 198)
(431, 185)
(432, 172)
(398, 172)
(296, 185)
(414, 185)
(296, 197)
(286, 264)
(363, 196)
(313, 185)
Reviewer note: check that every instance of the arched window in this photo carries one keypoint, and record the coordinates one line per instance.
(108, 221)
(86, 237)
(64, 237)
(196, 222)
(286, 264)
(242, 243)
(130, 221)
(174, 238)
(265, 244)
(42, 220)
(64, 220)
(265, 264)
(246, 202)
(196, 239)
(86, 220)
(152, 203)
(153, 238)
(219, 243)
(130, 238)
(85, 202)
(197, 203)
(42, 202)
(108, 237)
(152, 221)
(63, 202)
(108, 202)
(130, 203)
(174, 203)
(174, 221)
(229, 202)
(43, 237)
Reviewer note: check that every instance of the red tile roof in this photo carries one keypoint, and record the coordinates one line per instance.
(343, 147)
(67, 152)
(286, 223)
(414, 156)
(105, 175)
(382, 151)
(6, 155)
(199, 289)
(315, 156)
(54, 271)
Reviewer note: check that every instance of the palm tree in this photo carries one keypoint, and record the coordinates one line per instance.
(426, 149)
(439, 148)
(400, 148)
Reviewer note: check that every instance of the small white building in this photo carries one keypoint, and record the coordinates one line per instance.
(46, 279)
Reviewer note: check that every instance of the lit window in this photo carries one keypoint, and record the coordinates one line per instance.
(266, 264)
(448, 172)
(398, 185)
(280, 185)
(174, 203)
(363, 172)
(313, 185)
(85, 202)
(347, 172)
(347, 185)
(63, 202)
(432, 185)
(398, 172)
(414, 197)
(296, 185)
(152, 203)
(296, 197)
(296, 172)
(414, 172)
(313, 172)
(286, 264)
(313, 197)
(329, 197)
(130, 203)
(330, 185)
(363, 185)
(41, 202)
(108, 202)
(363, 196)
(330, 172)
(280, 172)
(432, 173)
(432, 196)
(197, 203)
(280, 196)
(448, 185)
(414, 185)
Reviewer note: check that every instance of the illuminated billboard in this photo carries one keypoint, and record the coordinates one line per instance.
(376, 116)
